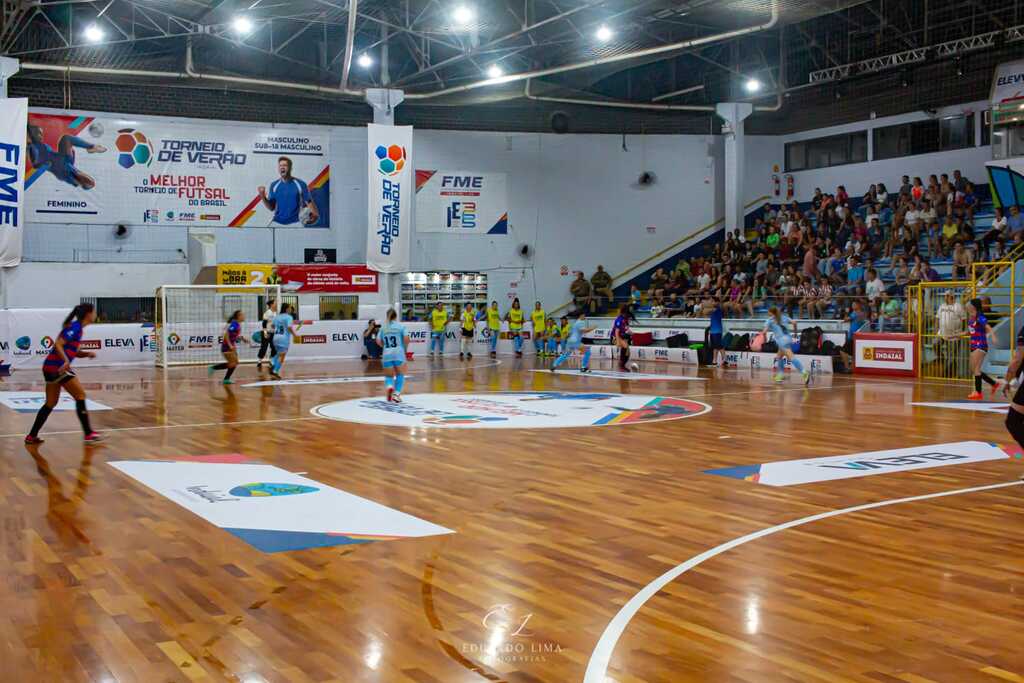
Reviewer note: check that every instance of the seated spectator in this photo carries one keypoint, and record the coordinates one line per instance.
(997, 234)
(891, 314)
(882, 195)
(950, 235)
(854, 278)
(1015, 224)
(601, 288)
(905, 186)
(917, 190)
(961, 183)
(961, 262)
(580, 291)
(658, 281)
(673, 306)
(873, 287)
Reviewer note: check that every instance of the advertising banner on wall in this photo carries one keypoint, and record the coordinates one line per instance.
(13, 115)
(885, 354)
(461, 202)
(1008, 84)
(98, 170)
(389, 165)
(301, 278)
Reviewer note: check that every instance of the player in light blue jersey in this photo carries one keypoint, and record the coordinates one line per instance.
(394, 340)
(283, 327)
(780, 325)
(573, 342)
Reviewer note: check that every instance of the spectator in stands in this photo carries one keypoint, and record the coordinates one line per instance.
(961, 262)
(950, 233)
(636, 297)
(854, 278)
(1015, 224)
(891, 314)
(601, 288)
(674, 306)
(917, 190)
(882, 195)
(871, 196)
(959, 182)
(658, 281)
(967, 203)
(873, 287)
(842, 197)
(997, 234)
(580, 291)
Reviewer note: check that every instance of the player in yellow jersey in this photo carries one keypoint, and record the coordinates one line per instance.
(538, 318)
(468, 327)
(494, 327)
(515, 318)
(554, 336)
(438, 321)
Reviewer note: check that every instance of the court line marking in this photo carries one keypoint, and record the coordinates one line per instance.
(597, 667)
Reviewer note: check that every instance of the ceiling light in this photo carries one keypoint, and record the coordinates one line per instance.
(604, 34)
(365, 61)
(494, 71)
(242, 25)
(93, 33)
(752, 85)
(462, 15)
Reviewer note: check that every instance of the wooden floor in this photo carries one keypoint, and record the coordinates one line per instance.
(556, 530)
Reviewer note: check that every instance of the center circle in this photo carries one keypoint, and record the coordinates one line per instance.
(512, 410)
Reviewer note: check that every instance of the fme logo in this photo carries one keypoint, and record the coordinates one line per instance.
(11, 183)
(464, 182)
(418, 335)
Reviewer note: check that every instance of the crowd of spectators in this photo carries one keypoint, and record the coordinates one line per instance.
(822, 260)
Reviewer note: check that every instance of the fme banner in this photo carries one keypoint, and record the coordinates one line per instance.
(13, 115)
(389, 166)
(461, 202)
(96, 170)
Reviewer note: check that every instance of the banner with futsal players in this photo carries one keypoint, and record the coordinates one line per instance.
(151, 171)
(391, 193)
(13, 114)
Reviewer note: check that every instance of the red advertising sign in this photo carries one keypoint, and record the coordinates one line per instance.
(328, 278)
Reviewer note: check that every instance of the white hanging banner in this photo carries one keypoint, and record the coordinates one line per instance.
(392, 191)
(13, 123)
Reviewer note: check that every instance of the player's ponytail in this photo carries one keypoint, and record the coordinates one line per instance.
(78, 313)
(774, 312)
(392, 315)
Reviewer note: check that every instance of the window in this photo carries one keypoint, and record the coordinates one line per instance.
(924, 137)
(124, 309)
(338, 307)
(986, 128)
(835, 150)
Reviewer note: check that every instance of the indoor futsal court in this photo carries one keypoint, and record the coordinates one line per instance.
(512, 341)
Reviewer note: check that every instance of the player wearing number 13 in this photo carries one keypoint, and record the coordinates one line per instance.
(394, 340)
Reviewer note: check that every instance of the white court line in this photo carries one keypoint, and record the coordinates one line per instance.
(597, 667)
(193, 424)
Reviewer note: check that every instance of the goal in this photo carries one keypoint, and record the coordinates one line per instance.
(190, 321)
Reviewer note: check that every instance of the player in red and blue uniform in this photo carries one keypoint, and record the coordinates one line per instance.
(229, 346)
(621, 337)
(979, 332)
(61, 162)
(58, 373)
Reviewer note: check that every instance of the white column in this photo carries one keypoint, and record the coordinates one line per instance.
(734, 114)
(384, 103)
(8, 67)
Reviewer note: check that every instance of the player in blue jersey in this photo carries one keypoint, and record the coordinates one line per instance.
(57, 373)
(622, 336)
(573, 343)
(289, 198)
(61, 162)
(229, 346)
(283, 327)
(979, 333)
(394, 340)
(780, 325)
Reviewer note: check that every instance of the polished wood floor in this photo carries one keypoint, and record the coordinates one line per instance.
(103, 580)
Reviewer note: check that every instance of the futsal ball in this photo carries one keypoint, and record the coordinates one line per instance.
(133, 147)
(390, 159)
(634, 367)
(1014, 383)
(96, 129)
(305, 215)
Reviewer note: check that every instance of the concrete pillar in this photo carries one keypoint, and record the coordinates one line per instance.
(734, 113)
(384, 103)
(8, 67)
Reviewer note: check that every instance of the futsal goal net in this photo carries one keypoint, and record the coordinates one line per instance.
(190, 321)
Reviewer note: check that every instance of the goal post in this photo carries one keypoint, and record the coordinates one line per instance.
(190, 321)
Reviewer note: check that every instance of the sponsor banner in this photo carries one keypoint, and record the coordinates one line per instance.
(102, 170)
(391, 189)
(320, 255)
(512, 410)
(631, 376)
(885, 354)
(13, 117)
(419, 339)
(461, 202)
(1008, 84)
(975, 406)
(300, 277)
(270, 508)
(810, 470)
(27, 334)
(647, 353)
(319, 380)
(32, 401)
(757, 360)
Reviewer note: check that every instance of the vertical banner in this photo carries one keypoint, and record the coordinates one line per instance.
(13, 120)
(392, 189)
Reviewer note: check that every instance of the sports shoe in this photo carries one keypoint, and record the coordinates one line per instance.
(779, 377)
(807, 377)
(92, 437)
(462, 356)
(397, 397)
(391, 394)
(634, 367)
(584, 370)
(228, 381)
(975, 396)
(469, 356)
(996, 387)
(33, 440)
(210, 370)
(275, 375)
